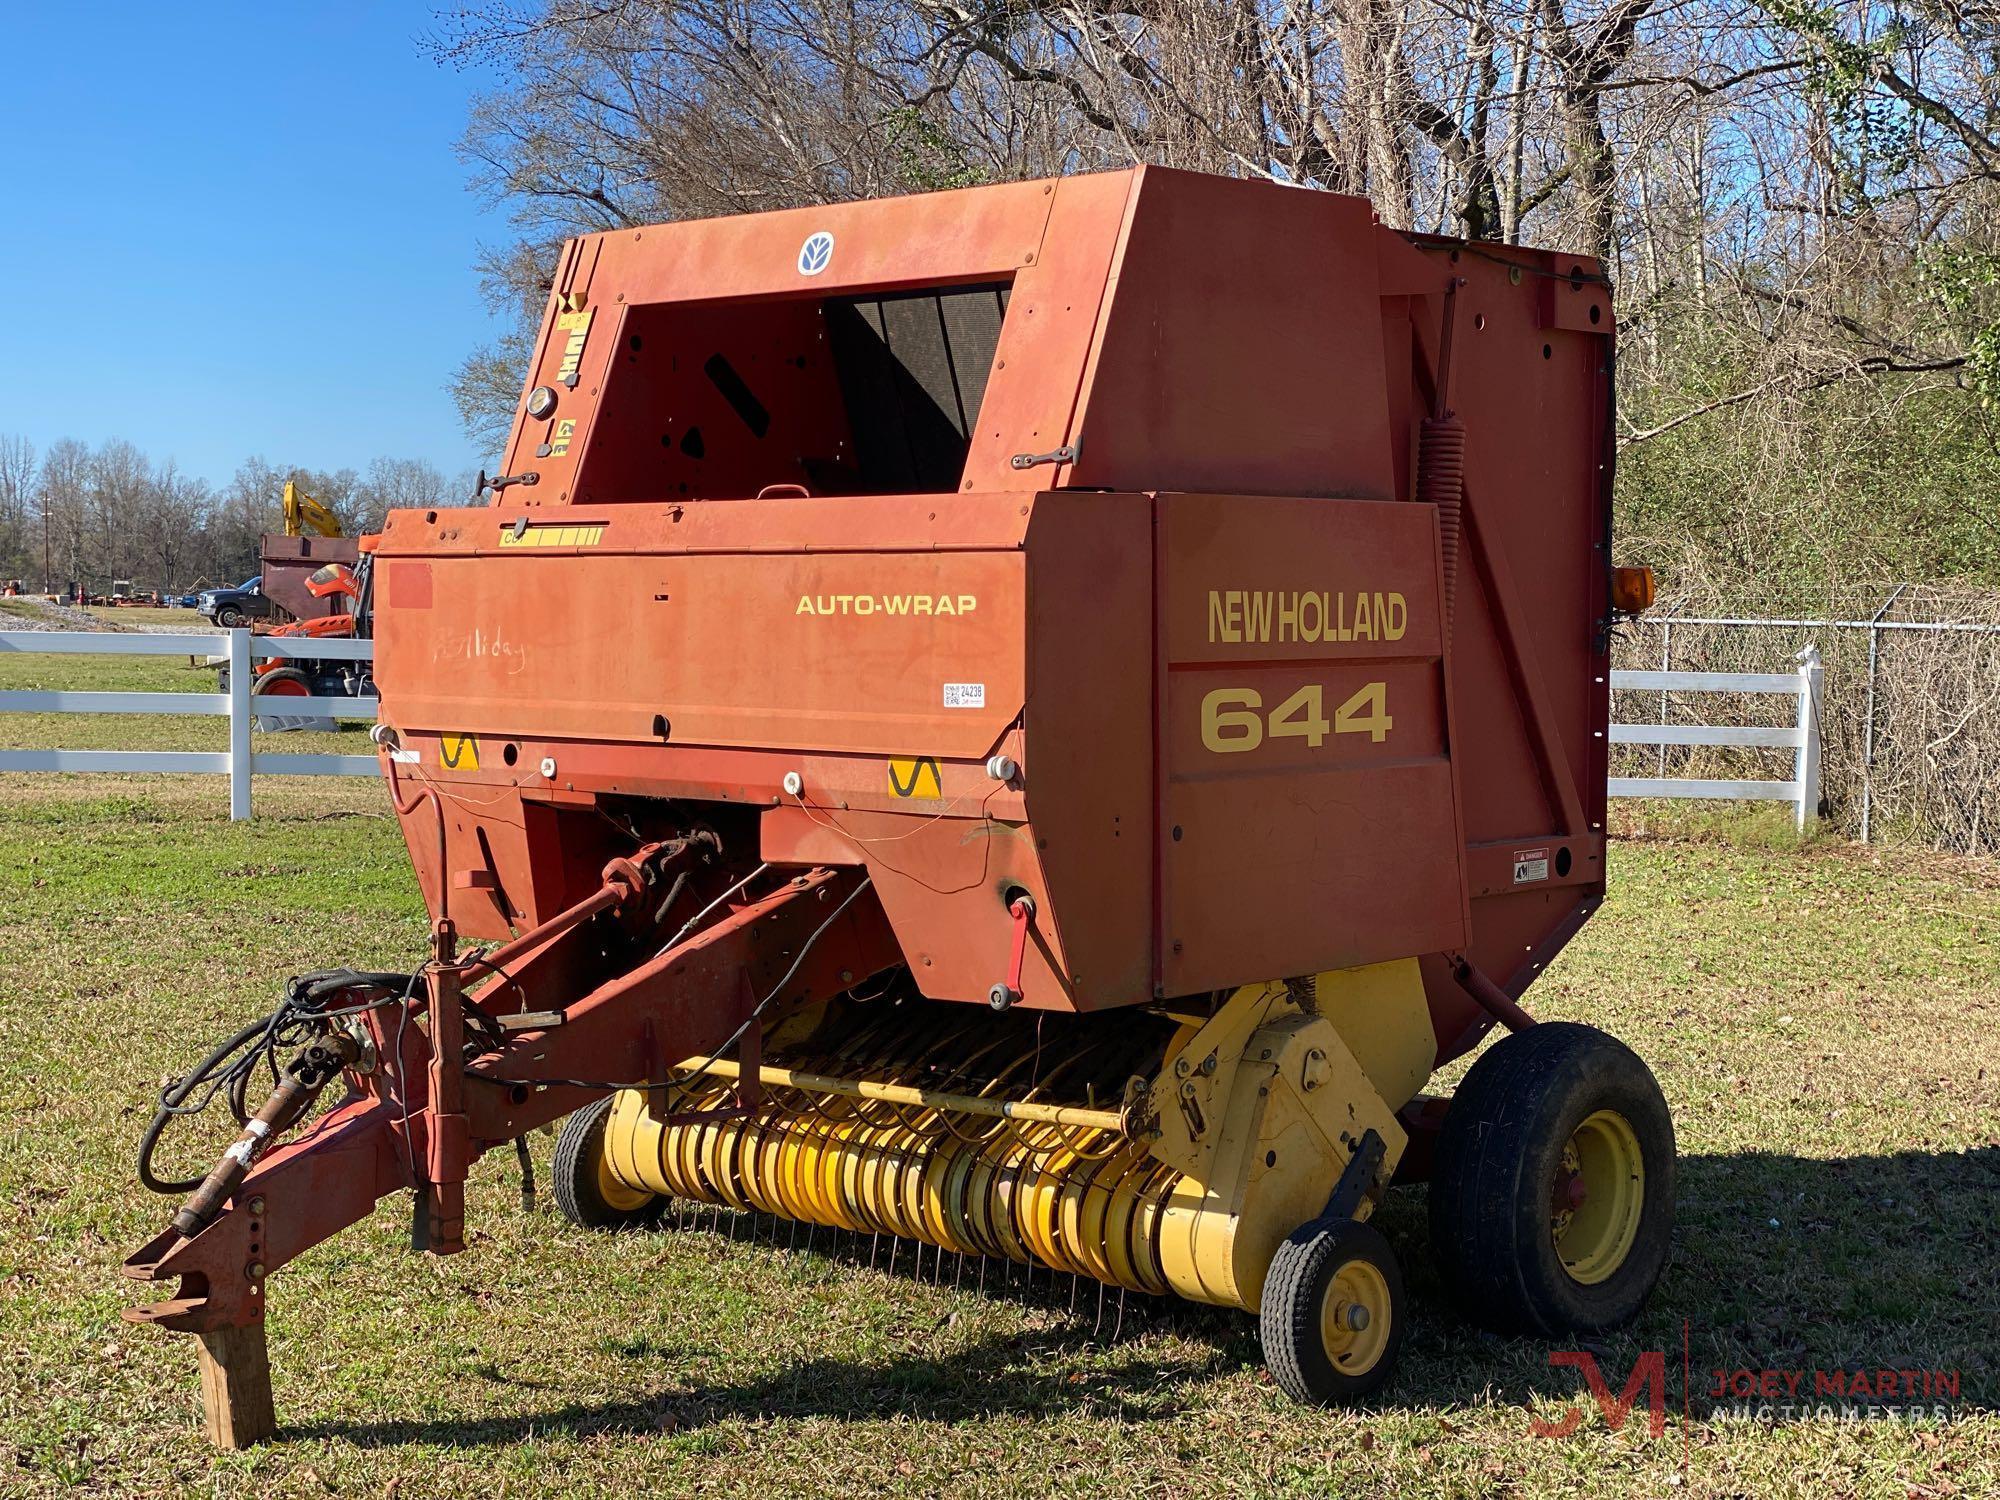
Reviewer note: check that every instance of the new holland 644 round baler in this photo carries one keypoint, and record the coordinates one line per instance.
(1031, 719)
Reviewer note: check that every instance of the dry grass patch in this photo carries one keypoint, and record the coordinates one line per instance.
(1823, 1020)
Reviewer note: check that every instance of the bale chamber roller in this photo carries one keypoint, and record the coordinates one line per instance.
(1030, 720)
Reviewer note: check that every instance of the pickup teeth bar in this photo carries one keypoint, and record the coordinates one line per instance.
(969, 1143)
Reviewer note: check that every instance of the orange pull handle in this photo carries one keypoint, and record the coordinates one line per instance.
(1004, 994)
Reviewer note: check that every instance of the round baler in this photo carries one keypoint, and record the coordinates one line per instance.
(1031, 720)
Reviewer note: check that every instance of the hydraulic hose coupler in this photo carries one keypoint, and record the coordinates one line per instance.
(316, 1065)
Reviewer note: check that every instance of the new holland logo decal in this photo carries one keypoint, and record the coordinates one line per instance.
(816, 254)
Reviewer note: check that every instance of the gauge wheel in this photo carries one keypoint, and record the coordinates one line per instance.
(1331, 1315)
(586, 1191)
(1552, 1197)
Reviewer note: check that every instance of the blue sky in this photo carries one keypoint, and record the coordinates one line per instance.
(236, 228)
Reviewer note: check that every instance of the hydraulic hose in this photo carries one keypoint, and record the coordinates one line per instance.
(304, 1002)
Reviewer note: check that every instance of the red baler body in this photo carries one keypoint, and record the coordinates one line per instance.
(1185, 484)
(1124, 591)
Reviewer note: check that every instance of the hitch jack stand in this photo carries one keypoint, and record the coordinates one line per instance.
(236, 1406)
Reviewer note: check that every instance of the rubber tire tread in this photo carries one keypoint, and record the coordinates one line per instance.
(280, 674)
(1288, 1313)
(1504, 1130)
(578, 1146)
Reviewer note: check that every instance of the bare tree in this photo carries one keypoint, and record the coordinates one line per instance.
(1796, 203)
(20, 536)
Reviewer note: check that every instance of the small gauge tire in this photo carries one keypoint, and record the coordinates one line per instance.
(1306, 1314)
(585, 1193)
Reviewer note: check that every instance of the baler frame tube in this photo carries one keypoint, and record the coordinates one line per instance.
(1026, 1110)
(624, 879)
(1495, 1001)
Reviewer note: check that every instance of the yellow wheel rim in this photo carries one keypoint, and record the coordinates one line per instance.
(1597, 1198)
(1355, 1317)
(612, 1189)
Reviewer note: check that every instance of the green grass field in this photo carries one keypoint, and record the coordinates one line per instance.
(1824, 1020)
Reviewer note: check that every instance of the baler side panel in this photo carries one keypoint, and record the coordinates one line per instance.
(793, 650)
(1088, 739)
(572, 356)
(1032, 397)
(507, 862)
(1308, 815)
(944, 882)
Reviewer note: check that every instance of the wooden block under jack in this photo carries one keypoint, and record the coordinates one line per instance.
(236, 1407)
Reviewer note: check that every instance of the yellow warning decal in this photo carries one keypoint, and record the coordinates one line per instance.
(458, 752)
(577, 326)
(915, 778)
(551, 536)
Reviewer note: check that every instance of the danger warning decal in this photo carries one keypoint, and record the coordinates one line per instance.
(1530, 865)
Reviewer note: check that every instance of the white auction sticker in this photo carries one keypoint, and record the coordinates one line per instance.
(965, 695)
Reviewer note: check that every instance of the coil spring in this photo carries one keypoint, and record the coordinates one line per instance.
(1082, 1200)
(1441, 482)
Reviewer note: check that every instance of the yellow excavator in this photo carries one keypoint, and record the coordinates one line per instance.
(304, 514)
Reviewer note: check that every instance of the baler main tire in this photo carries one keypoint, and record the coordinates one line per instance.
(1305, 1316)
(583, 1194)
(1540, 1115)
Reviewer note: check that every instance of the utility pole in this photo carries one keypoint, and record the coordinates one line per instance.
(48, 581)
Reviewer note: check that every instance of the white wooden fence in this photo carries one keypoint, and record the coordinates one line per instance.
(1801, 737)
(239, 762)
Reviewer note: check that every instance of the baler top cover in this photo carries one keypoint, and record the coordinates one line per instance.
(1174, 330)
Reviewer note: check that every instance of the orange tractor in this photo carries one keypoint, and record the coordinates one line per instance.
(1030, 720)
(319, 677)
